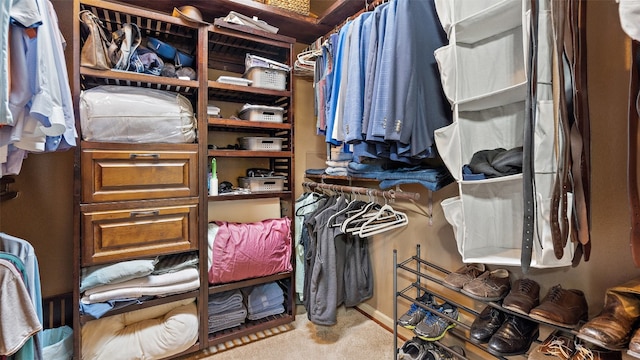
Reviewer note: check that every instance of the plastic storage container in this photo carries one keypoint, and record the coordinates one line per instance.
(261, 113)
(259, 61)
(261, 143)
(257, 184)
(267, 78)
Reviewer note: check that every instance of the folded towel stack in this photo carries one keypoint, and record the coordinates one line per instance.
(265, 300)
(226, 310)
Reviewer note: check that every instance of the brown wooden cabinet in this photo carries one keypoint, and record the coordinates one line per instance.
(228, 46)
(135, 230)
(120, 173)
(142, 200)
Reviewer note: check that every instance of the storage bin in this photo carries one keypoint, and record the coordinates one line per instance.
(302, 7)
(267, 78)
(261, 113)
(257, 184)
(259, 61)
(261, 143)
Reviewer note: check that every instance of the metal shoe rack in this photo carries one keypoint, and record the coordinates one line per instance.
(424, 272)
(420, 287)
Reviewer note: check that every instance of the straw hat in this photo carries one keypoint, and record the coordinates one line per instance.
(189, 14)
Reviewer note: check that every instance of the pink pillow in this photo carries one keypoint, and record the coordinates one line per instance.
(248, 250)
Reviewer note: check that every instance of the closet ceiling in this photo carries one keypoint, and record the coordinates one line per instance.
(305, 29)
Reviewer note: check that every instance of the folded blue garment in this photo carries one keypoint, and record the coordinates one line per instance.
(432, 178)
(97, 310)
(433, 186)
(263, 314)
(227, 320)
(264, 297)
(314, 171)
(260, 307)
(225, 301)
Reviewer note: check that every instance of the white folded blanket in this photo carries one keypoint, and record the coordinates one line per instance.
(133, 293)
(181, 276)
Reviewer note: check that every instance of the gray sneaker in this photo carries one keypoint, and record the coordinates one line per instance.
(415, 314)
(414, 349)
(433, 327)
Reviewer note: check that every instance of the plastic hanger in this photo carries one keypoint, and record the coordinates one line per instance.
(382, 222)
(352, 224)
(319, 197)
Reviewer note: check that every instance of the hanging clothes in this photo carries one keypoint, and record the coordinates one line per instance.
(384, 60)
(23, 251)
(307, 203)
(337, 267)
(37, 111)
(18, 328)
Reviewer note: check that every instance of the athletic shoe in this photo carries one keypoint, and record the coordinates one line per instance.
(433, 327)
(413, 349)
(416, 313)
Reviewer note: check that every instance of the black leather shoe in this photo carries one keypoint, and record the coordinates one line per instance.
(514, 337)
(486, 324)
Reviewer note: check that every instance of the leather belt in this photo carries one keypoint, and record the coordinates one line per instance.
(632, 176)
(558, 220)
(573, 122)
(528, 170)
(580, 129)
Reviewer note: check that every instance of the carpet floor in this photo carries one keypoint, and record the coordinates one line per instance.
(355, 336)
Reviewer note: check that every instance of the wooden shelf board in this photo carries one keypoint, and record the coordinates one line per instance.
(250, 153)
(305, 29)
(217, 288)
(255, 195)
(250, 327)
(233, 123)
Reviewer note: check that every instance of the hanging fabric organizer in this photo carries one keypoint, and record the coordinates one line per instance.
(484, 76)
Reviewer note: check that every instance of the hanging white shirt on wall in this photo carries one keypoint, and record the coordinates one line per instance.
(40, 116)
(629, 12)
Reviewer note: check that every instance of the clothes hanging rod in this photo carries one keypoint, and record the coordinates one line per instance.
(387, 194)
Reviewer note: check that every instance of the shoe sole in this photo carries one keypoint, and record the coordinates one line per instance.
(516, 309)
(549, 321)
(476, 297)
(449, 286)
(612, 347)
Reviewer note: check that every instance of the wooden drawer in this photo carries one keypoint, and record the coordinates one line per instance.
(116, 175)
(126, 233)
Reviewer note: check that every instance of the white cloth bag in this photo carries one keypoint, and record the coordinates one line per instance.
(127, 114)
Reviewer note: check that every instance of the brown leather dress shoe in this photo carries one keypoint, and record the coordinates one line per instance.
(459, 278)
(562, 307)
(524, 296)
(490, 286)
(612, 328)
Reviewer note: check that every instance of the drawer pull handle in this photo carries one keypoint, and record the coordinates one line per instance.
(145, 213)
(135, 156)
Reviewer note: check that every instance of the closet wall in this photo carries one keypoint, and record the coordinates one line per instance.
(43, 214)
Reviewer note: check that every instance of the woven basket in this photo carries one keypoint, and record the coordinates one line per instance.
(297, 6)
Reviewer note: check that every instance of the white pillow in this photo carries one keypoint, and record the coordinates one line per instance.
(156, 332)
